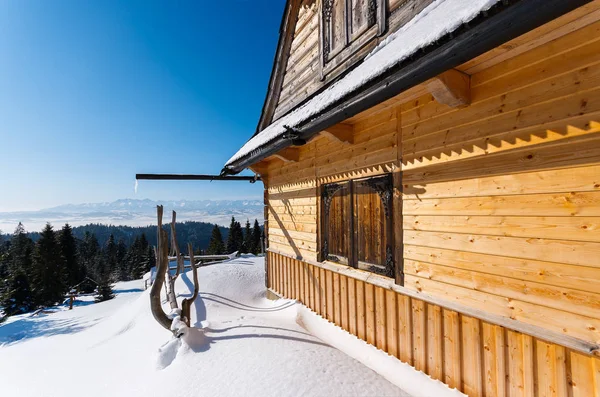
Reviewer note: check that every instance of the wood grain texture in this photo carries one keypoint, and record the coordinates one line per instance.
(497, 207)
(476, 357)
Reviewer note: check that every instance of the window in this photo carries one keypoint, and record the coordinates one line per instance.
(357, 224)
(346, 26)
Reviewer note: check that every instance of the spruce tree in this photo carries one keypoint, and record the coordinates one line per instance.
(142, 257)
(247, 244)
(103, 278)
(20, 251)
(49, 269)
(256, 238)
(17, 297)
(89, 251)
(68, 249)
(110, 253)
(121, 271)
(215, 245)
(133, 258)
(235, 238)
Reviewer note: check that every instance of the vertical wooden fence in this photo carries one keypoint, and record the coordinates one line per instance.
(477, 357)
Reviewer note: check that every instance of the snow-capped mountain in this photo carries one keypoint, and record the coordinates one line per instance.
(134, 213)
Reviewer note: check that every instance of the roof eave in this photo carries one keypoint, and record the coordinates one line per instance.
(503, 23)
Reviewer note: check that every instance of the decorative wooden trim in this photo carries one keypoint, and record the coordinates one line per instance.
(384, 188)
(452, 88)
(579, 345)
(340, 133)
(376, 26)
(327, 193)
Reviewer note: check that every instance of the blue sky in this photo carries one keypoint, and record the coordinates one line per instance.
(92, 92)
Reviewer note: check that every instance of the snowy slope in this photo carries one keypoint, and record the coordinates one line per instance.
(244, 344)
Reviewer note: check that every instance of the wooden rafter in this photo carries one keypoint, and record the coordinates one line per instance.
(452, 88)
(340, 133)
(288, 155)
(260, 168)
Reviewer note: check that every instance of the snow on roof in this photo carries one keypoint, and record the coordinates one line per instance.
(434, 22)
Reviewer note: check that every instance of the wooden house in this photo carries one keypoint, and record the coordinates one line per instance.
(432, 184)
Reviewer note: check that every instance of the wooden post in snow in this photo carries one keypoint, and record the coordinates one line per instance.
(187, 303)
(162, 266)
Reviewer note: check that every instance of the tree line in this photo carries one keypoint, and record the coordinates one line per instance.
(197, 232)
(248, 240)
(39, 270)
(41, 273)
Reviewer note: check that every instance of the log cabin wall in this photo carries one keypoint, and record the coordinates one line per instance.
(497, 208)
(303, 74)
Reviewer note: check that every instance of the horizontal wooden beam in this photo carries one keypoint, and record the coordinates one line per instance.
(288, 155)
(452, 88)
(188, 177)
(340, 133)
(389, 284)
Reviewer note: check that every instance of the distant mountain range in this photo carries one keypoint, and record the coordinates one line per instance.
(133, 212)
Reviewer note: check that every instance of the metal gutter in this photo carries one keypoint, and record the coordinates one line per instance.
(504, 22)
(187, 177)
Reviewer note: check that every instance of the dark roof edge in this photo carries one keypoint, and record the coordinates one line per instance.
(504, 22)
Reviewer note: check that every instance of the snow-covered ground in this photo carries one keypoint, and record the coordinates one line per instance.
(241, 344)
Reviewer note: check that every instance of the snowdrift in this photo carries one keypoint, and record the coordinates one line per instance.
(243, 344)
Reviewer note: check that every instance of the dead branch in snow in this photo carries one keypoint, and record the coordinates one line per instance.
(175, 247)
(187, 303)
(171, 296)
(162, 267)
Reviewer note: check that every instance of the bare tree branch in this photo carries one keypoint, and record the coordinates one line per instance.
(187, 303)
(162, 266)
(175, 246)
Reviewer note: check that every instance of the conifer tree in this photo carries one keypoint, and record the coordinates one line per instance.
(133, 259)
(142, 258)
(20, 251)
(256, 238)
(68, 249)
(17, 297)
(49, 269)
(88, 252)
(103, 278)
(121, 271)
(247, 244)
(110, 253)
(235, 238)
(215, 245)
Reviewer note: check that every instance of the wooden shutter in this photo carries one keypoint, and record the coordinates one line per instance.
(361, 16)
(343, 22)
(373, 225)
(336, 222)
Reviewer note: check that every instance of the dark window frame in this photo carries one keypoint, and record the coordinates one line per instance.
(384, 187)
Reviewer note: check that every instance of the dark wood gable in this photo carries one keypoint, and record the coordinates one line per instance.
(320, 40)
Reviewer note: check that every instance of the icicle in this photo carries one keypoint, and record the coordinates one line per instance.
(136, 186)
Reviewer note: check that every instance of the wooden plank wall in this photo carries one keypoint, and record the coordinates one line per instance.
(501, 199)
(474, 356)
(302, 75)
(500, 205)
